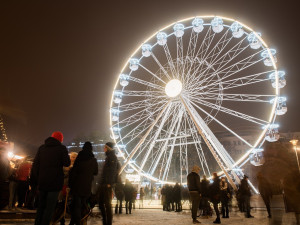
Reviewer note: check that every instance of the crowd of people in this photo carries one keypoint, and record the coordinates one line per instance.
(202, 193)
(57, 182)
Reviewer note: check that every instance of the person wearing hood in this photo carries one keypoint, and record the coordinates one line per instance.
(109, 178)
(47, 174)
(80, 180)
(193, 183)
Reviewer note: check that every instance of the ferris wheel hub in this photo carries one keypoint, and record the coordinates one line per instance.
(173, 88)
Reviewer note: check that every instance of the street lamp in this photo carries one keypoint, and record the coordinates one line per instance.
(294, 143)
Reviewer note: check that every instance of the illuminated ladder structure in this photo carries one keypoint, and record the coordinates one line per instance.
(3, 136)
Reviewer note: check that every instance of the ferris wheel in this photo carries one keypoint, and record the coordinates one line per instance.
(186, 89)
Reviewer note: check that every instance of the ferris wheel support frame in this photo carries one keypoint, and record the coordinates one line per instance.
(204, 135)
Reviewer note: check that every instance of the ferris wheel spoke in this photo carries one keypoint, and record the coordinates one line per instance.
(146, 83)
(190, 51)
(199, 149)
(232, 112)
(156, 94)
(171, 129)
(155, 137)
(139, 129)
(138, 114)
(234, 68)
(216, 50)
(205, 45)
(225, 58)
(223, 125)
(143, 106)
(191, 46)
(179, 63)
(133, 131)
(160, 66)
(149, 102)
(170, 60)
(241, 81)
(235, 97)
(153, 74)
(143, 138)
(204, 48)
(166, 172)
(142, 149)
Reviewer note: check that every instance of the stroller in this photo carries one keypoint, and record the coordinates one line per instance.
(63, 210)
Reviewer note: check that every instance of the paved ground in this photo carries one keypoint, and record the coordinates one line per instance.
(154, 215)
(159, 217)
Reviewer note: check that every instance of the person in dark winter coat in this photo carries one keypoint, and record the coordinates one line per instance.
(5, 172)
(265, 191)
(108, 179)
(119, 191)
(225, 197)
(80, 180)
(205, 197)
(163, 197)
(47, 173)
(169, 196)
(141, 201)
(215, 195)
(291, 187)
(246, 195)
(128, 191)
(13, 184)
(177, 197)
(193, 183)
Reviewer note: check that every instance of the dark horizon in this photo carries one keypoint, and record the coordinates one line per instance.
(60, 61)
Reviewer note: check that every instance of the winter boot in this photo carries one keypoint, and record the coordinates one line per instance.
(217, 221)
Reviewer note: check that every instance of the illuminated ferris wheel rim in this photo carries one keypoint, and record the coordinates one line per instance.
(272, 115)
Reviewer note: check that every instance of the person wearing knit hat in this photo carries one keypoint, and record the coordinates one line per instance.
(47, 175)
(194, 186)
(110, 176)
(109, 146)
(58, 136)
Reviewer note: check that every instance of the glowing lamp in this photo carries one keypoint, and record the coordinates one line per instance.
(173, 88)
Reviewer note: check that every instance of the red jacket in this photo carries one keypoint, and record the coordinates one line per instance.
(23, 171)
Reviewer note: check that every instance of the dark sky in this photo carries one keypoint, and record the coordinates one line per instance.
(59, 60)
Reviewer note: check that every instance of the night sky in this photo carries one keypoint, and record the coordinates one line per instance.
(59, 60)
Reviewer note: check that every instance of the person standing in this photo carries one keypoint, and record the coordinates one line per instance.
(119, 192)
(177, 197)
(193, 183)
(128, 191)
(265, 191)
(204, 197)
(13, 185)
(22, 178)
(5, 172)
(225, 197)
(80, 181)
(108, 179)
(47, 173)
(163, 197)
(141, 201)
(246, 195)
(215, 196)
